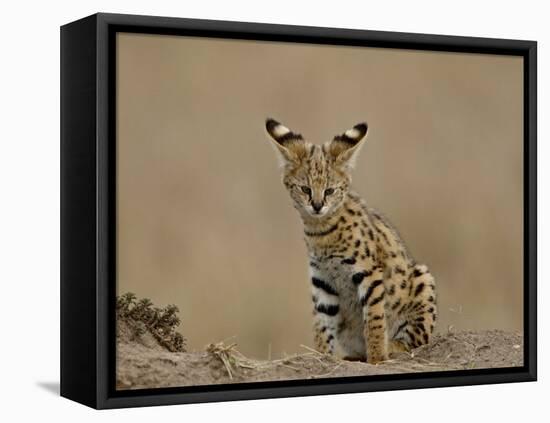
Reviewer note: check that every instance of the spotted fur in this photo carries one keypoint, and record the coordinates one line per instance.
(370, 297)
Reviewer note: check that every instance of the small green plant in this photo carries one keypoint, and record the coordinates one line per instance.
(160, 322)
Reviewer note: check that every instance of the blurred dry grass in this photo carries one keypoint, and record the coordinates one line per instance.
(204, 222)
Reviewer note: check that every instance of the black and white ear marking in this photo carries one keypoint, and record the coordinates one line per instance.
(344, 147)
(281, 133)
(354, 135)
(291, 146)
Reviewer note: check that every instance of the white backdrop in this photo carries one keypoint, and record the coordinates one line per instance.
(29, 178)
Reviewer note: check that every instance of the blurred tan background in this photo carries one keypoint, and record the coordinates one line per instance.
(205, 223)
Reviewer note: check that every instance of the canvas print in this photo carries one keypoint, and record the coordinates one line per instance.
(293, 211)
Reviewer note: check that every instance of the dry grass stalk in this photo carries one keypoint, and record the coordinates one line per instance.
(230, 357)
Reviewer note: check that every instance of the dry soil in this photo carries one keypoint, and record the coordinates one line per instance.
(143, 363)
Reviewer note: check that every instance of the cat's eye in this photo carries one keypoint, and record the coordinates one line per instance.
(306, 190)
(329, 191)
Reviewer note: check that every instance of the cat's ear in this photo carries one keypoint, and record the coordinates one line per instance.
(344, 148)
(290, 145)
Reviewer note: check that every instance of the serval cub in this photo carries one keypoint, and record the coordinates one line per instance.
(370, 298)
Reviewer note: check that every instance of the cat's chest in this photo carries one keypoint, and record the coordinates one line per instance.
(337, 274)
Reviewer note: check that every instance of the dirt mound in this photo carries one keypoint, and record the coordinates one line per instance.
(144, 362)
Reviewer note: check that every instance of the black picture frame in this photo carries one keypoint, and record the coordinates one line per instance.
(88, 256)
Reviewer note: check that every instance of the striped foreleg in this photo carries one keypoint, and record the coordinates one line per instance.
(326, 309)
(372, 293)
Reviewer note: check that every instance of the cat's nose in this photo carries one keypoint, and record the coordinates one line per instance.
(317, 206)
